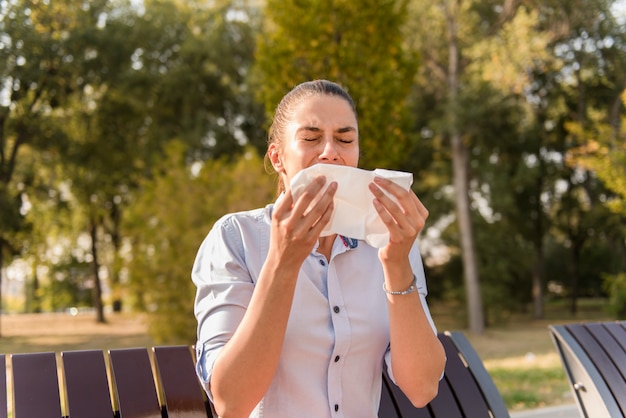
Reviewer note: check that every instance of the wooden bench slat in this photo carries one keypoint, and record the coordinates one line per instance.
(611, 347)
(469, 397)
(134, 382)
(480, 374)
(387, 407)
(35, 386)
(603, 363)
(181, 387)
(445, 404)
(618, 331)
(86, 384)
(3, 387)
(401, 406)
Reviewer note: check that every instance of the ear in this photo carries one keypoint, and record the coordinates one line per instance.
(274, 156)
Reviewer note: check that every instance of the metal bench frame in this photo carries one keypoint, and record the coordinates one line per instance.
(594, 358)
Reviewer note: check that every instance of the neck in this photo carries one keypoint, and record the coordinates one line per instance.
(326, 245)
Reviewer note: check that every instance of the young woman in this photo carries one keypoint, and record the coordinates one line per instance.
(291, 324)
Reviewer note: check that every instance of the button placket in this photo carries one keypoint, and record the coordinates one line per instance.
(342, 331)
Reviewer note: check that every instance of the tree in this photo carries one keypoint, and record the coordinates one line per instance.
(133, 79)
(471, 90)
(167, 223)
(588, 41)
(358, 44)
(39, 72)
(604, 154)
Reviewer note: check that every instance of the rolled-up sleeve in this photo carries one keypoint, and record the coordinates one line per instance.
(224, 288)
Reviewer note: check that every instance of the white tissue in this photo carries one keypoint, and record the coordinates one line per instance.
(354, 215)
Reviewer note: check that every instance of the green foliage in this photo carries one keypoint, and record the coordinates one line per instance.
(96, 90)
(360, 45)
(70, 286)
(93, 93)
(40, 69)
(615, 286)
(604, 153)
(169, 219)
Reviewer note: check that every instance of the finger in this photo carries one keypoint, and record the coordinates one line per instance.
(311, 207)
(321, 223)
(309, 194)
(319, 208)
(408, 215)
(284, 205)
(389, 186)
(420, 206)
(399, 207)
(401, 195)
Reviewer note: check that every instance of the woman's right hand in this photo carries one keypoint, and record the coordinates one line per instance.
(296, 225)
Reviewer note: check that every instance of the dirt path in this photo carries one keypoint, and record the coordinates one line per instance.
(22, 333)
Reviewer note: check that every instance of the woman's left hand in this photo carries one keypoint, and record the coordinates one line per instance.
(404, 219)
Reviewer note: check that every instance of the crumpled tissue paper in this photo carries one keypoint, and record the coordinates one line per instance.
(354, 215)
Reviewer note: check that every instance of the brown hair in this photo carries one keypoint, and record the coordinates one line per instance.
(283, 112)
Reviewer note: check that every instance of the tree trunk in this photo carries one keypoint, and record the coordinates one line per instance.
(116, 292)
(575, 252)
(468, 247)
(33, 301)
(538, 286)
(460, 168)
(97, 289)
(538, 273)
(1, 265)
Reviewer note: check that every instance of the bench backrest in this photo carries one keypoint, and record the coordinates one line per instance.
(594, 358)
(123, 383)
(466, 389)
(161, 382)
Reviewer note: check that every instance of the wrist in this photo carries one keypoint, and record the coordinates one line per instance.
(412, 288)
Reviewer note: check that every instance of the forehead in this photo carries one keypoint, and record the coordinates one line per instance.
(324, 111)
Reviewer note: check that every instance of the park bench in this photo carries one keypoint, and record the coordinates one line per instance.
(161, 382)
(594, 358)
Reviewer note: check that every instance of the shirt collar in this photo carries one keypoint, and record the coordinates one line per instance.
(349, 243)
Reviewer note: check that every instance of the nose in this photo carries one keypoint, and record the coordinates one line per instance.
(329, 151)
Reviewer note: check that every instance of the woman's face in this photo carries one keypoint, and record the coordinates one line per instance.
(323, 129)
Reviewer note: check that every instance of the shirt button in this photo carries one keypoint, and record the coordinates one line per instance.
(322, 262)
(336, 359)
(336, 309)
(336, 407)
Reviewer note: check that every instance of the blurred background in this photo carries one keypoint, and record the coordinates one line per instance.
(128, 127)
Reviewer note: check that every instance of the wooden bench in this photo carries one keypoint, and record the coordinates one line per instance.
(161, 382)
(594, 358)
(466, 390)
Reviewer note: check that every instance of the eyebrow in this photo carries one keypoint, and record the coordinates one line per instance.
(316, 129)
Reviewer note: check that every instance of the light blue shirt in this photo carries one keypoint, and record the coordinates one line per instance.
(338, 330)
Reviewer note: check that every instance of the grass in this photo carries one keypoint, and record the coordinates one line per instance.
(519, 354)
